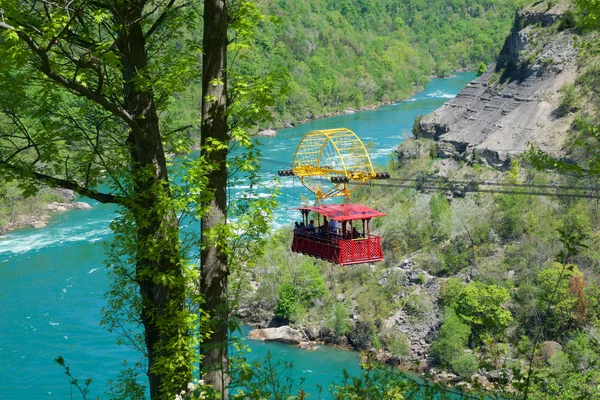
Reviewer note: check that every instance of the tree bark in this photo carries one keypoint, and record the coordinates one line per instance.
(158, 263)
(158, 253)
(214, 266)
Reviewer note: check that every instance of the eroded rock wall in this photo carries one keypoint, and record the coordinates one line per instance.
(515, 102)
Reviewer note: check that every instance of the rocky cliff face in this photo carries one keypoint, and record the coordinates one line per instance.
(515, 102)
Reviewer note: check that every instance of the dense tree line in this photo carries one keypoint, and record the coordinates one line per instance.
(355, 53)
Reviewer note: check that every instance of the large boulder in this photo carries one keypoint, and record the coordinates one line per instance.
(80, 205)
(283, 334)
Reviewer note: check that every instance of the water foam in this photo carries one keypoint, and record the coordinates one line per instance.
(440, 94)
(54, 236)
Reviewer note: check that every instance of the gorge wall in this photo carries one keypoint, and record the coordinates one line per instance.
(515, 102)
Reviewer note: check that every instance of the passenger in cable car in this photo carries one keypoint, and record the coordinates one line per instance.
(356, 234)
(302, 230)
(321, 230)
(332, 226)
(311, 226)
(296, 227)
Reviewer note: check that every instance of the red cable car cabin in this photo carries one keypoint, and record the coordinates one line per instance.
(337, 238)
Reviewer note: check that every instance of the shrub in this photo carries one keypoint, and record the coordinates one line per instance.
(397, 344)
(582, 353)
(417, 305)
(415, 128)
(567, 100)
(375, 342)
(287, 302)
(443, 70)
(481, 307)
(450, 291)
(481, 69)
(452, 258)
(339, 322)
(441, 216)
(465, 365)
(567, 21)
(310, 282)
(451, 341)
(512, 207)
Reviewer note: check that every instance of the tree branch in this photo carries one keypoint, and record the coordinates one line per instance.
(159, 20)
(64, 29)
(163, 16)
(70, 84)
(57, 182)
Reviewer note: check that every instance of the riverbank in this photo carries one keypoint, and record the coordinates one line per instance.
(420, 371)
(37, 211)
(310, 117)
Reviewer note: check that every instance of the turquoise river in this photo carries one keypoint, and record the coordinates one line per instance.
(53, 280)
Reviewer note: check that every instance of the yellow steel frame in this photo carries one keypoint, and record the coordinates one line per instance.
(323, 154)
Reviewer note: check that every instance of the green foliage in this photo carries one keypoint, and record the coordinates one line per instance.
(378, 381)
(452, 258)
(262, 379)
(514, 172)
(450, 291)
(351, 54)
(481, 69)
(439, 208)
(415, 127)
(375, 342)
(417, 305)
(340, 319)
(483, 308)
(590, 13)
(443, 69)
(465, 365)
(16, 207)
(374, 383)
(573, 386)
(567, 100)
(397, 344)
(83, 389)
(567, 21)
(310, 282)
(373, 305)
(287, 302)
(452, 339)
(583, 352)
(555, 287)
(512, 208)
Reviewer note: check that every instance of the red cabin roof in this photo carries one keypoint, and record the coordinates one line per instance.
(344, 212)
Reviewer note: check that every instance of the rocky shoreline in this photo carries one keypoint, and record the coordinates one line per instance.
(418, 321)
(426, 369)
(40, 218)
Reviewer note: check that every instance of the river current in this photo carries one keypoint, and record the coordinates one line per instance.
(53, 280)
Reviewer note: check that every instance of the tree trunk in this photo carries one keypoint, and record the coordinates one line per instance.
(214, 267)
(158, 260)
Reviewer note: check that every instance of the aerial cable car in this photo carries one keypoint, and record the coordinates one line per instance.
(333, 163)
